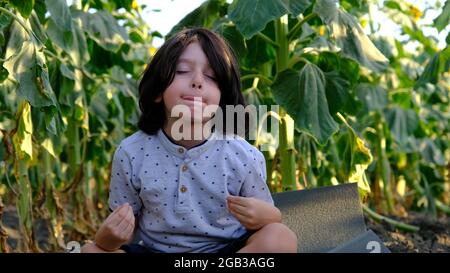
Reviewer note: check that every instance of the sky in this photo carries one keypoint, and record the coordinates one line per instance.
(172, 11)
(388, 27)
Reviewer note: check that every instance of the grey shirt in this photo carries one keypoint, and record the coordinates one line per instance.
(179, 195)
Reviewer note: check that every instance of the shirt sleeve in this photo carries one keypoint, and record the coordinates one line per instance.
(255, 180)
(121, 189)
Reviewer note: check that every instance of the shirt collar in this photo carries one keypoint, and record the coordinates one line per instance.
(182, 152)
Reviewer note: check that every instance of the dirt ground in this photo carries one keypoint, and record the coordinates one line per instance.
(433, 236)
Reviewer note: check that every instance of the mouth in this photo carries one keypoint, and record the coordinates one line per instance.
(193, 99)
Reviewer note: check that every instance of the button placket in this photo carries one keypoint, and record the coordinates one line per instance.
(183, 187)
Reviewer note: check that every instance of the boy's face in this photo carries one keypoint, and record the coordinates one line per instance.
(194, 85)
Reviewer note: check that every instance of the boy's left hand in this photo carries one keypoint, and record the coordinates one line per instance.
(253, 213)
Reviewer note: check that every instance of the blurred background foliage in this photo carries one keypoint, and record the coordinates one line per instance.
(355, 107)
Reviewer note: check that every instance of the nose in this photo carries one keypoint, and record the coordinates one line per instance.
(197, 81)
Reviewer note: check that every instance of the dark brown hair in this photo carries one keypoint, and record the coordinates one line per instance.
(160, 73)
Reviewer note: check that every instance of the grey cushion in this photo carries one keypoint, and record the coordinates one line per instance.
(367, 242)
(323, 218)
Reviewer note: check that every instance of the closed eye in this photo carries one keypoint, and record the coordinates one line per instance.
(211, 77)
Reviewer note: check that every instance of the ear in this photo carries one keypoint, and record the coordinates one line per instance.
(158, 99)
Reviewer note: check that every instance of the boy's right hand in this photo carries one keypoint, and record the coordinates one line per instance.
(117, 229)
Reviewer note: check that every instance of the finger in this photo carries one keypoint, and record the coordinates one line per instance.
(129, 221)
(237, 200)
(241, 218)
(119, 208)
(238, 209)
(126, 220)
(244, 220)
(113, 212)
(115, 218)
(130, 228)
